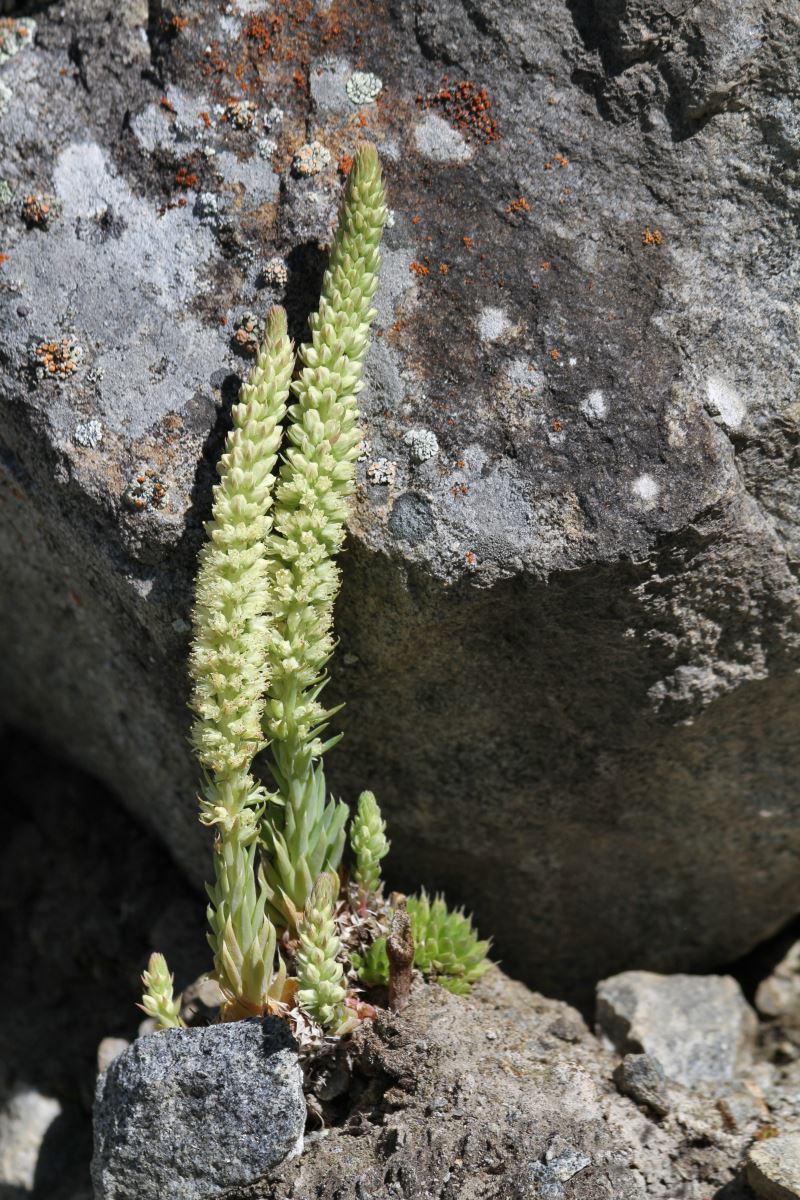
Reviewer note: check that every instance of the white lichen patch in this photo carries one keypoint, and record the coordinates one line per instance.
(646, 490)
(492, 324)
(311, 159)
(422, 443)
(382, 472)
(88, 434)
(724, 402)
(595, 406)
(438, 141)
(363, 87)
(275, 273)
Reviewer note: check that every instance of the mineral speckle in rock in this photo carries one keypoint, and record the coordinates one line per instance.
(422, 443)
(193, 1113)
(310, 159)
(363, 87)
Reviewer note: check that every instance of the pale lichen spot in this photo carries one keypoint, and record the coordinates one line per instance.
(595, 406)
(492, 324)
(724, 402)
(645, 489)
(438, 141)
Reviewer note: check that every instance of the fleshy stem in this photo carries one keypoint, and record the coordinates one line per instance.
(315, 482)
(230, 670)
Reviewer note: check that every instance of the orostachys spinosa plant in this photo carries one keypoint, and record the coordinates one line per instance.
(290, 928)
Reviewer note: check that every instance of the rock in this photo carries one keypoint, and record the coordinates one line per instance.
(699, 1027)
(773, 1167)
(109, 1049)
(193, 1113)
(585, 605)
(26, 1117)
(779, 994)
(641, 1077)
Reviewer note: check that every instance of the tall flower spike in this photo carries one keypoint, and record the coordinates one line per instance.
(321, 991)
(230, 669)
(158, 1000)
(315, 482)
(368, 843)
(228, 661)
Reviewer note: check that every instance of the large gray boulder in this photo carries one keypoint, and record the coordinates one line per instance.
(569, 619)
(192, 1113)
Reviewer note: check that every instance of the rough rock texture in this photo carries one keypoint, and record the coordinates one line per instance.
(779, 994)
(573, 626)
(699, 1028)
(506, 1096)
(192, 1113)
(773, 1168)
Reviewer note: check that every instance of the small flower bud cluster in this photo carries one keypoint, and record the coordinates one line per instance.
(369, 844)
(321, 991)
(158, 1000)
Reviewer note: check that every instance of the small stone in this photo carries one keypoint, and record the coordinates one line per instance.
(311, 159)
(275, 273)
(773, 1167)
(109, 1049)
(641, 1077)
(145, 490)
(422, 443)
(699, 1027)
(241, 114)
(564, 1159)
(88, 434)
(363, 87)
(195, 1113)
(25, 1119)
(779, 994)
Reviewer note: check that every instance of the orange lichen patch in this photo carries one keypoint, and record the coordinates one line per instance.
(206, 119)
(361, 120)
(416, 220)
(185, 177)
(419, 269)
(459, 464)
(179, 23)
(561, 159)
(3, 259)
(458, 489)
(470, 557)
(58, 359)
(443, 268)
(466, 106)
(468, 242)
(556, 426)
(37, 210)
(652, 237)
(545, 266)
(518, 205)
(345, 164)
(555, 355)
(165, 103)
